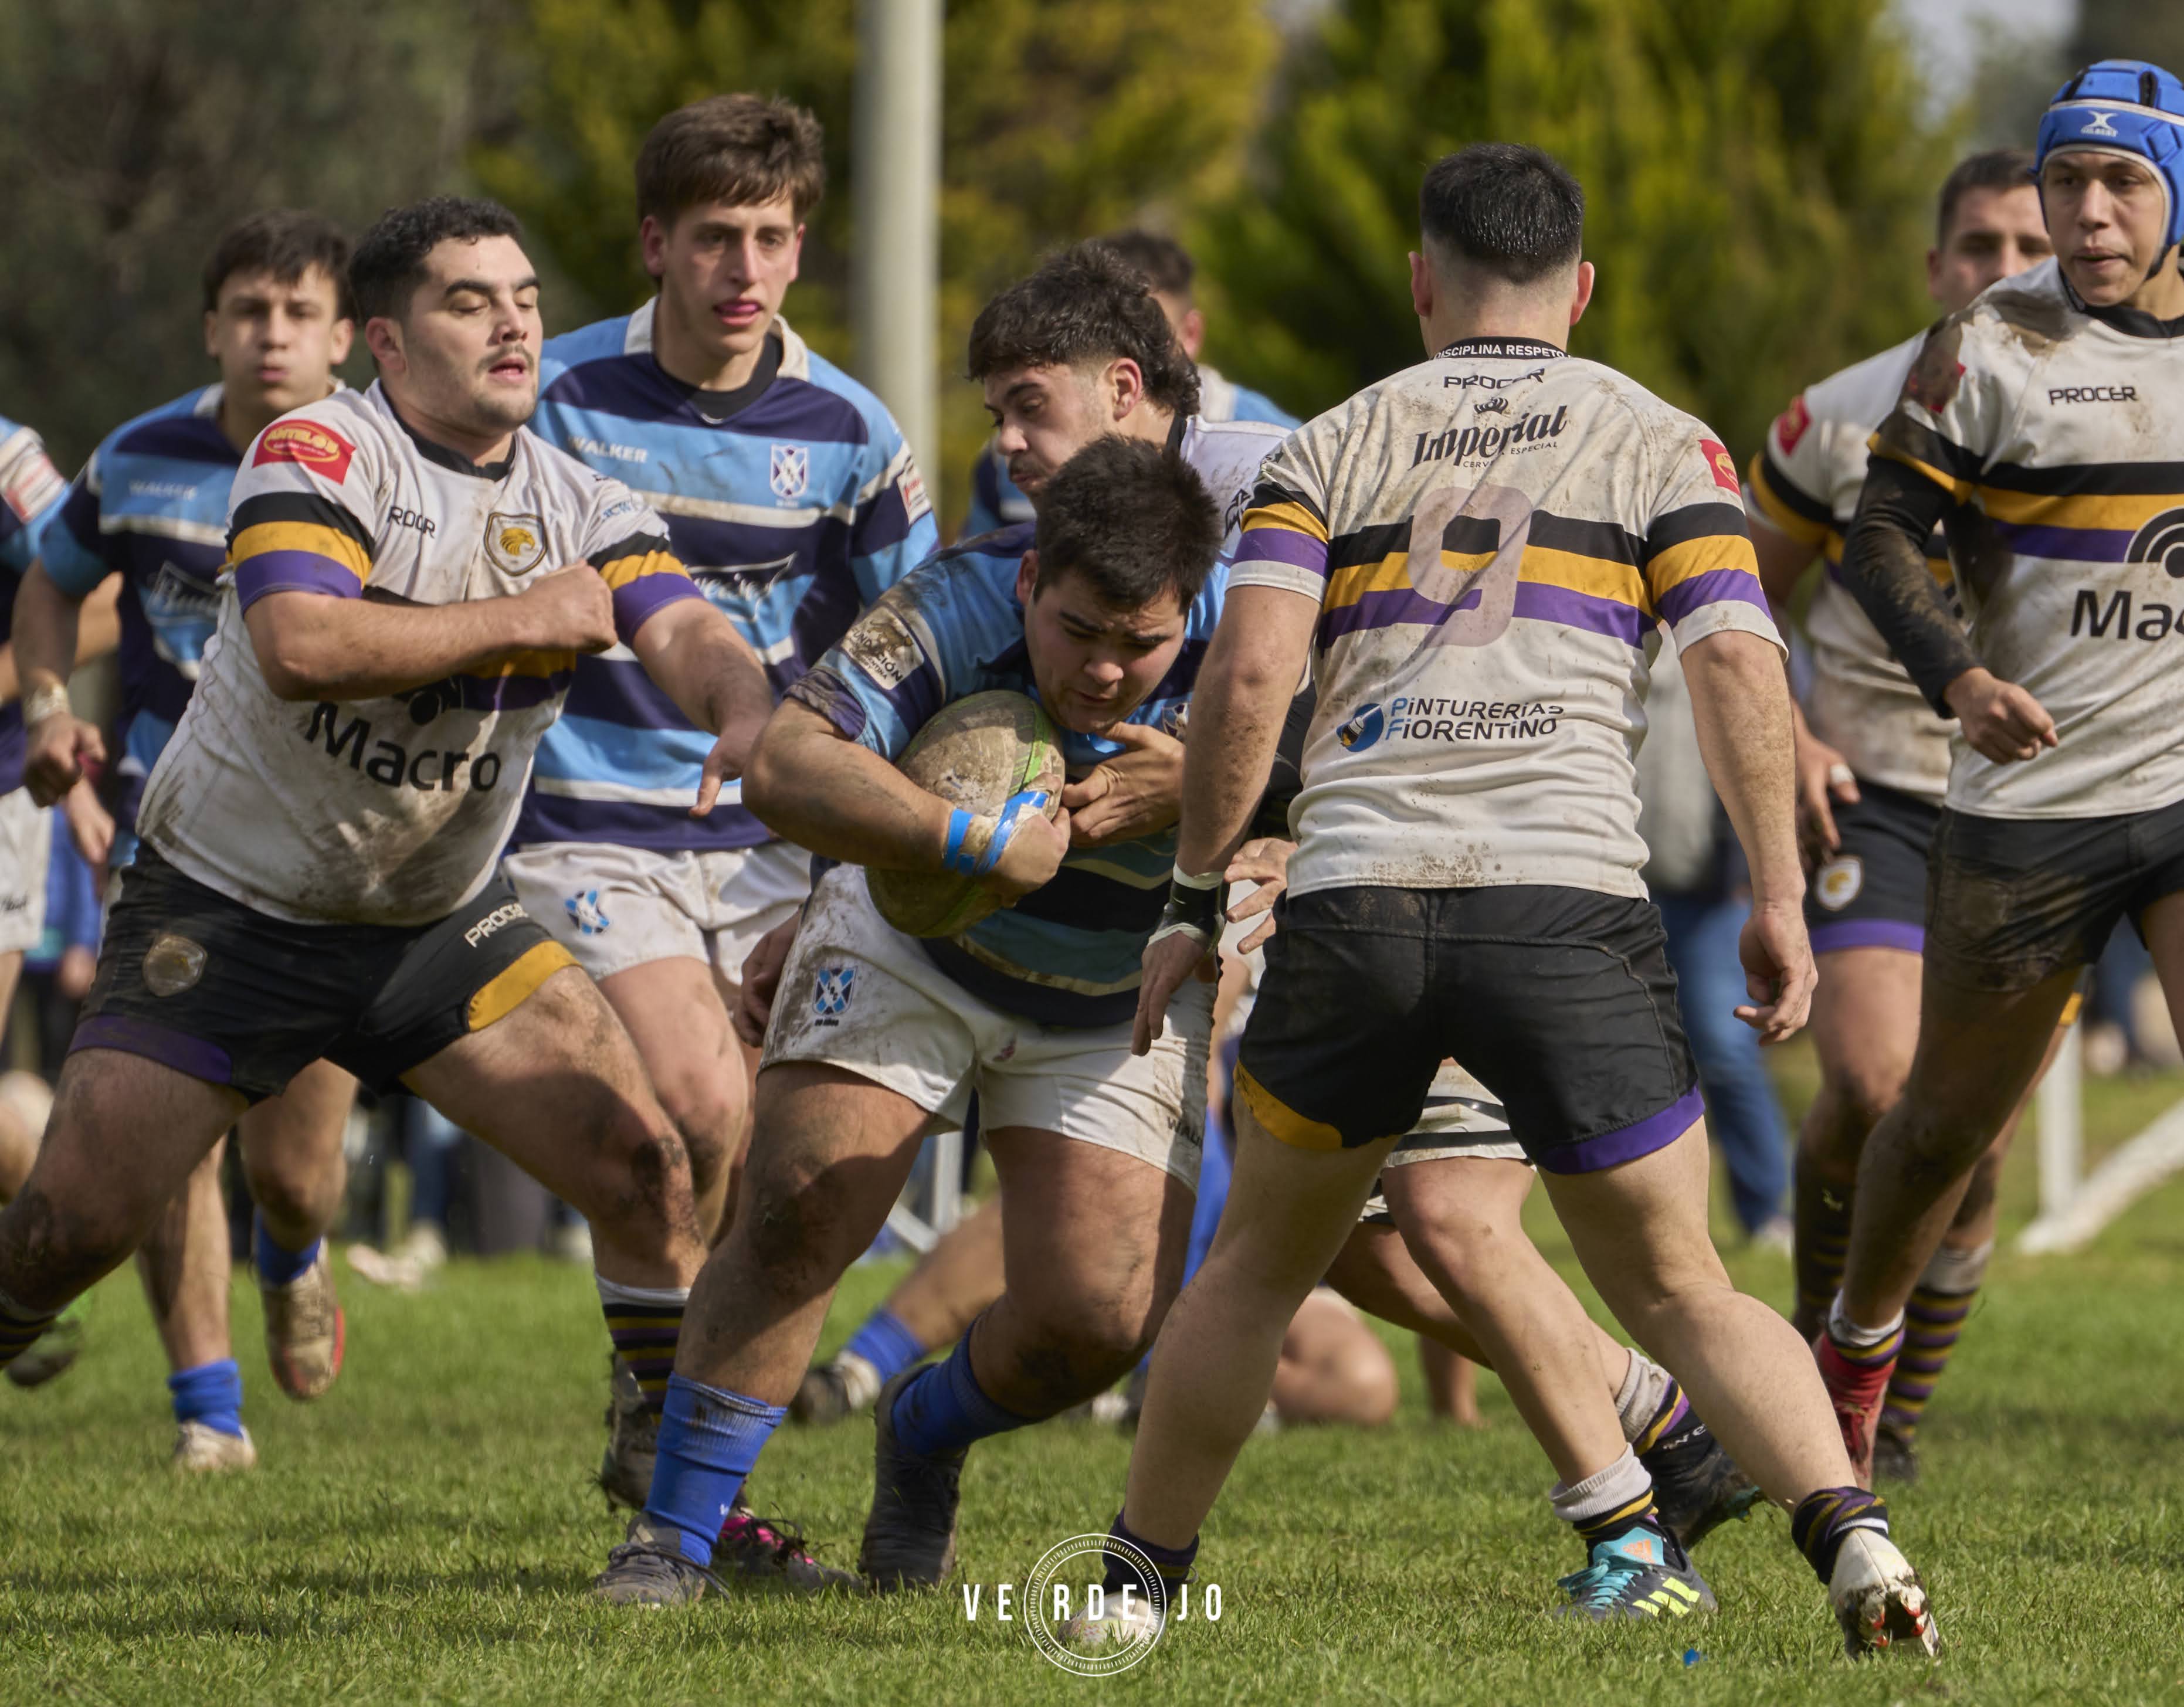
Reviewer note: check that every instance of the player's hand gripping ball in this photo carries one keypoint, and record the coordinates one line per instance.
(996, 758)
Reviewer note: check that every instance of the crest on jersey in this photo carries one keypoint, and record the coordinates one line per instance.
(514, 544)
(584, 913)
(2097, 125)
(831, 998)
(789, 469)
(1839, 882)
(1364, 728)
(1790, 424)
(172, 964)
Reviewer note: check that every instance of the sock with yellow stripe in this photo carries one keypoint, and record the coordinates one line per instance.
(1657, 1420)
(1822, 1519)
(644, 1322)
(1609, 1502)
(1931, 1323)
(1820, 1244)
(20, 1328)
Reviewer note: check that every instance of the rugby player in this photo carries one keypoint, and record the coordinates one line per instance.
(1101, 610)
(997, 500)
(411, 575)
(1466, 878)
(2046, 424)
(1873, 763)
(789, 493)
(148, 519)
(30, 491)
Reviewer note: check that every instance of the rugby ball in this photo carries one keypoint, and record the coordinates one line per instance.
(973, 754)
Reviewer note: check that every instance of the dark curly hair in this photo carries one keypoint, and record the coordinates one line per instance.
(1133, 518)
(389, 263)
(1086, 303)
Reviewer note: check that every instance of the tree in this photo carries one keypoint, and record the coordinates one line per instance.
(137, 129)
(1061, 119)
(1759, 187)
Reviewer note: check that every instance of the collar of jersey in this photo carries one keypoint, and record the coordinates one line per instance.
(1515, 349)
(2133, 322)
(454, 459)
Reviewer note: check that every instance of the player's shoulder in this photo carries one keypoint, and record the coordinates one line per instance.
(607, 340)
(2013, 325)
(183, 427)
(1858, 395)
(1228, 454)
(832, 405)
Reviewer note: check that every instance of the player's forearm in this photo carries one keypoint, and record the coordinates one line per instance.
(1244, 691)
(812, 786)
(700, 662)
(1885, 566)
(44, 639)
(313, 646)
(1741, 704)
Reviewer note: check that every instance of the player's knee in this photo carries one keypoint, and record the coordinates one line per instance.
(52, 1252)
(1365, 1377)
(806, 1222)
(645, 1174)
(707, 1114)
(283, 1187)
(1864, 1092)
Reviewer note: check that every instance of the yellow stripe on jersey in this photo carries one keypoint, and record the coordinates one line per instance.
(2111, 512)
(1597, 577)
(623, 570)
(329, 543)
(1691, 558)
(1960, 490)
(1293, 516)
(1391, 574)
(534, 663)
(1801, 528)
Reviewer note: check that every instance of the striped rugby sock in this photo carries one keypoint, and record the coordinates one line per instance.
(1822, 1519)
(645, 1323)
(1822, 1246)
(1932, 1321)
(20, 1328)
(1608, 1502)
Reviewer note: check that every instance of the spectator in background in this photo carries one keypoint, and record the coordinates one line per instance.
(995, 502)
(1697, 880)
(57, 970)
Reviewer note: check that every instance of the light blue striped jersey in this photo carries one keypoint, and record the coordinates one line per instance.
(1069, 953)
(31, 489)
(794, 507)
(151, 506)
(996, 501)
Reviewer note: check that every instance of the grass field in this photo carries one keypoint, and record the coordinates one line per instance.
(425, 1532)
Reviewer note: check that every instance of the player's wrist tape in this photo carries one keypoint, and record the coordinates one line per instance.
(47, 699)
(977, 841)
(1193, 907)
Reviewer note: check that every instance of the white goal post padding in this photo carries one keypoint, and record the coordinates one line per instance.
(2074, 1206)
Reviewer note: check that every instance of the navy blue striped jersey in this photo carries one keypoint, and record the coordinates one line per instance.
(151, 506)
(793, 507)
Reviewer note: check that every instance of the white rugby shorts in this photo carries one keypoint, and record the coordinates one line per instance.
(27, 846)
(859, 995)
(1461, 1122)
(614, 907)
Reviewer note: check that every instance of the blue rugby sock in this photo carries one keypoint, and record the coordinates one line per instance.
(886, 1344)
(709, 1440)
(943, 1409)
(211, 1394)
(277, 1266)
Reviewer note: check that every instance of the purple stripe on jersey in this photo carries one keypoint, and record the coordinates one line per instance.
(1626, 1144)
(632, 824)
(1380, 610)
(616, 690)
(1837, 934)
(294, 571)
(1285, 546)
(1541, 603)
(1715, 587)
(2066, 544)
(169, 1047)
(635, 601)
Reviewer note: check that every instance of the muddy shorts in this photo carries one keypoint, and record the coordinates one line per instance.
(2012, 901)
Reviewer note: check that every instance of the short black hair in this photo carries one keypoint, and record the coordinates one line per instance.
(1134, 519)
(1166, 263)
(389, 263)
(1084, 304)
(286, 242)
(1997, 169)
(1514, 211)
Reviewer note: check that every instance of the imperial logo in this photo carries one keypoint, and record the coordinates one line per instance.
(323, 451)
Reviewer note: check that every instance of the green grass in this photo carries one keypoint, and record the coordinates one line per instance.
(424, 1533)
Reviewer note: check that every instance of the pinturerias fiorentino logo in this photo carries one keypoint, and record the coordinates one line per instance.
(1069, 1617)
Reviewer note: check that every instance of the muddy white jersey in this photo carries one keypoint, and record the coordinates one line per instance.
(388, 810)
(1805, 482)
(1495, 538)
(2061, 433)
